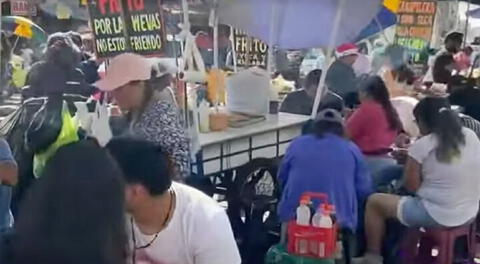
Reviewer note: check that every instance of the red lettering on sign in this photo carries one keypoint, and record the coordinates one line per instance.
(136, 5)
(113, 6)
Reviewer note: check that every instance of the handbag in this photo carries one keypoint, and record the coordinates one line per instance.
(100, 126)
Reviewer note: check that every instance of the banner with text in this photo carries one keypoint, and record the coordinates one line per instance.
(415, 28)
(144, 26)
(126, 26)
(22, 8)
(249, 51)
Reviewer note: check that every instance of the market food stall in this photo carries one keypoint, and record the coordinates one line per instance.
(280, 27)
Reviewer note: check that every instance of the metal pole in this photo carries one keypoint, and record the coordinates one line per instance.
(215, 35)
(273, 37)
(186, 26)
(467, 23)
(233, 51)
(381, 29)
(330, 48)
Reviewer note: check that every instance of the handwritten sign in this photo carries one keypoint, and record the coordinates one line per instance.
(249, 51)
(126, 26)
(144, 26)
(415, 27)
(108, 26)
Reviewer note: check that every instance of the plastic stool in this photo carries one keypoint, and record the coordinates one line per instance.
(417, 246)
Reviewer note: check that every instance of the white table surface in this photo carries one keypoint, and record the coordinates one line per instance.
(273, 122)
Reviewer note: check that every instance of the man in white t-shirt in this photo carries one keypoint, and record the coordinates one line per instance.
(169, 223)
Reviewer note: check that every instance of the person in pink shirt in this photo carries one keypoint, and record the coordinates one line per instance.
(375, 125)
(463, 59)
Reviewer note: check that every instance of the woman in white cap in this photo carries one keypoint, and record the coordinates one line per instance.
(137, 85)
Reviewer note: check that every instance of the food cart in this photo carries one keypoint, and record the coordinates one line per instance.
(279, 26)
(229, 149)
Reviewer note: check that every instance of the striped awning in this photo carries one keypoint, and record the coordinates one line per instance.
(386, 17)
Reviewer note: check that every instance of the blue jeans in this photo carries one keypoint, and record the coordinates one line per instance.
(6, 218)
(412, 213)
(377, 166)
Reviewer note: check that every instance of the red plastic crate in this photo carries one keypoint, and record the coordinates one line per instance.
(310, 241)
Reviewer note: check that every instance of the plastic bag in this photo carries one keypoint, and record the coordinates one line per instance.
(68, 134)
(45, 126)
(278, 255)
(100, 124)
(248, 92)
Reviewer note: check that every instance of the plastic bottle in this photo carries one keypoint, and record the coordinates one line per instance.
(317, 218)
(204, 116)
(303, 213)
(322, 219)
(303, 219)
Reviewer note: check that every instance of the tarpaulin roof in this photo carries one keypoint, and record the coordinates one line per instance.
(385, 18)
(298, 23)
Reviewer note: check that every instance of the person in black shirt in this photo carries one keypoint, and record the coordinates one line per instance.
(341, 78)
(463, 93)
(301, 102)
(59, 73)
(445, 62)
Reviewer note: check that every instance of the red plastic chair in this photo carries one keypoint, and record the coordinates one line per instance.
(418, 245)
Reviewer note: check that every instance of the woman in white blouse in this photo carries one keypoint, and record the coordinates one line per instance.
(442, 169)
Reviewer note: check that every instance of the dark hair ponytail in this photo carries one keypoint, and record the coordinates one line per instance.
(377, 90)
(435, 114)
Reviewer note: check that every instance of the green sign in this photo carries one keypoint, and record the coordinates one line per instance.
(415, 28)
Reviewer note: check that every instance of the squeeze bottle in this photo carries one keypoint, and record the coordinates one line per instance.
(303, 213)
